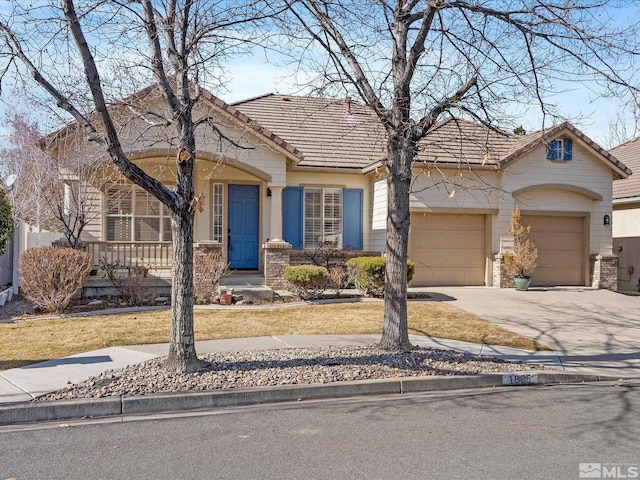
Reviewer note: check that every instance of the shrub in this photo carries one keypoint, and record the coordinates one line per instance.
(306, 281)
(368, 274)
(521, 262)
(208, 268)
(50, 276)
(134, 288)
(339, 276)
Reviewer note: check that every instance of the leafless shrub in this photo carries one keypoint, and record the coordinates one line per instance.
(134, 287)
(339, 277)
(50, 276)
(136, 290)
(209, 267)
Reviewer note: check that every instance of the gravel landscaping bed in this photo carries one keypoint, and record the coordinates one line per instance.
(17, 308)
(284, 367)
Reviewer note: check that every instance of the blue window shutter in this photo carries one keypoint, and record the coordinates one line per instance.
(568, 149)
(352, 218)
(292, 208)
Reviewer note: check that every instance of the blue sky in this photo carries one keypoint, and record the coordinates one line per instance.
(253, 76)
(589, 111)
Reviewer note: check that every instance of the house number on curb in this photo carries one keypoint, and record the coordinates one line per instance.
(522, 379)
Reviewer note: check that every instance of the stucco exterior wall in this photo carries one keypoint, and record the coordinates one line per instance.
(626, 220)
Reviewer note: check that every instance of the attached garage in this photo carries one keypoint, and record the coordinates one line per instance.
(448, 249)
(561, 245)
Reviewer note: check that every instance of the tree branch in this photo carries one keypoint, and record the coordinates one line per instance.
(428, 121)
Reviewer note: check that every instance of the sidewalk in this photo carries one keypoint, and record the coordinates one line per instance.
(25, 383)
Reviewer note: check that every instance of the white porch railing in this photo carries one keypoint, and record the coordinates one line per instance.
(152, 255)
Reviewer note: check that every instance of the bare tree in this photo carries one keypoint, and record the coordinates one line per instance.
(619, 130)
(36, 171)
(415, 61)
(51, 195)
(85, 54)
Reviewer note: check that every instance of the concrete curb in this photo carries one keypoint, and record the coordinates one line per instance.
(176, 402)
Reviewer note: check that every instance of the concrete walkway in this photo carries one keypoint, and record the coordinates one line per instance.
(25, 383)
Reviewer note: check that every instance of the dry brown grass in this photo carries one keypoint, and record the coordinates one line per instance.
(35, 341)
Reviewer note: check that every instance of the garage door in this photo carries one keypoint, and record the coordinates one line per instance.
(560, 243)
(447, 249)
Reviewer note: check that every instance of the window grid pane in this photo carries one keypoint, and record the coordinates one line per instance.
(118, 229)
(217, 212)
(119, 201)
(146, 204)
(131, 206)
(333, 217)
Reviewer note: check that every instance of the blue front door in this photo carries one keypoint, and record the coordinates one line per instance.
(243, 226)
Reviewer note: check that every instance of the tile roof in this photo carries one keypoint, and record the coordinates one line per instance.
(327, 137)
(461, 141)
(629, 153)
(341, 133)
(321, 128)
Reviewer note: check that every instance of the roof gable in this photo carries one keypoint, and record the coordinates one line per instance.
(530, 142)
(150, 94)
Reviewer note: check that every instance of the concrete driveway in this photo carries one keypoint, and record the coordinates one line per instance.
(590, 329)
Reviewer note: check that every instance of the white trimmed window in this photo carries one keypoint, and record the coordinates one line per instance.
(322, 216)
(217, 212)
(560, 149)
(133, 214)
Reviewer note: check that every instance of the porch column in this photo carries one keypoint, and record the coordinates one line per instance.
(276, 214)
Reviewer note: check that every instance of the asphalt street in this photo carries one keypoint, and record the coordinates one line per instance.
(499, 433)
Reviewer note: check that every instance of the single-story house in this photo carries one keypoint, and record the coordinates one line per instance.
(286, 173)
(626, 218)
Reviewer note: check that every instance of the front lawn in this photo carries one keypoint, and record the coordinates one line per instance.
(33, 341)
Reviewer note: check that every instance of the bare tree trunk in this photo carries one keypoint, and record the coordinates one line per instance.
(182, 350)
(395, 333)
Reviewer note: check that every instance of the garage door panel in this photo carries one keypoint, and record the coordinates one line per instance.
(453, 221)
(447, 249)
(440, 257)
(561, 259)
(548, 223)
(451, 277)
(460, 238)
(561, 249)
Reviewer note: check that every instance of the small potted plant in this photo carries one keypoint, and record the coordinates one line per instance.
(521, 261)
